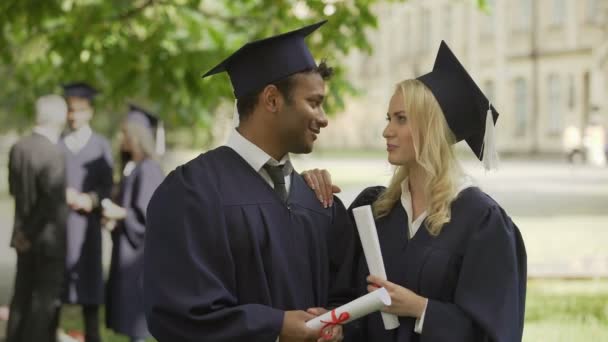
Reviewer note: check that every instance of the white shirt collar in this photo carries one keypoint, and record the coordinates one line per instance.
(76, 140)
(406, 202)
(253, 155)
(81, 134)
(50, 134)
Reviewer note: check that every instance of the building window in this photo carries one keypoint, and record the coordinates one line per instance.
(559, 12)
(592, 8)
(488, 19)
(426, 30)
(521, 107)
(447, 23)
(571, 93)
(488, 90)
(405, 43)
(554, 105)
(523, 14)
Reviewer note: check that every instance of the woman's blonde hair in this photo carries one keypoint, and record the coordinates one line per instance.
(142, 137)
(433, 142)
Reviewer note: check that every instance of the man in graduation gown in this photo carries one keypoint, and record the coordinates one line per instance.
(37, 182)
(237, 245)
(89, 178)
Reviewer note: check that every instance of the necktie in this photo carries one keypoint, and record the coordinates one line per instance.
(278, 178)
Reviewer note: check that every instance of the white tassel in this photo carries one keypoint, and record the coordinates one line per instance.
(160, 138)
(235, 116)
(490, 155)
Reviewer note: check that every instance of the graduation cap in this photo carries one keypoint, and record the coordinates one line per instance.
(79, 89)
(468, 112)
(150, 121)
(264, 61)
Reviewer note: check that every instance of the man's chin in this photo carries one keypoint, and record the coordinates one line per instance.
(304, 149)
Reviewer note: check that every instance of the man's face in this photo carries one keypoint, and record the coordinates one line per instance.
(80, 112)
(302, 116)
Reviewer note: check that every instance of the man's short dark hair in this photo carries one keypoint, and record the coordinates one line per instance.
(246, 104)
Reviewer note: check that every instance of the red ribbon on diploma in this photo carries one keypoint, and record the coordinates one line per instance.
(335, 320)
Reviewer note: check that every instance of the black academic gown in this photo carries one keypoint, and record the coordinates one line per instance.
(473, 273)
(124, 291)
(89, 170)
(225, 257)
(37, 183)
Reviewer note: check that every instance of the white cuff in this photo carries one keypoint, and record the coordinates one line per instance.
(420, 321)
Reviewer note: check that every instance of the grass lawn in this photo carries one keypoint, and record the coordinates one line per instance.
(575, 310)
(71, 319)
(556, 310)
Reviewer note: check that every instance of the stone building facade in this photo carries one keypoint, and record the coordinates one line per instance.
(543, 63)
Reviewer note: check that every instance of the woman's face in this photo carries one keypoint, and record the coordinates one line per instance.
(126, 141)
(398, 134)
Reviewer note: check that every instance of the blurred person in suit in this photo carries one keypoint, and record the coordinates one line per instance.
(37, 183)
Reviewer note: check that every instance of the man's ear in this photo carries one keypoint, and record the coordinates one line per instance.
(271, 98)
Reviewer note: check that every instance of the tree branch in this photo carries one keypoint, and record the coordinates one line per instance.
(134, 11)
(233, 20)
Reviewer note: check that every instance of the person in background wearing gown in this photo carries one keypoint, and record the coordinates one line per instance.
(36, 176)
(127, 220)
(237, 245)
(455, 262)
(89, 178)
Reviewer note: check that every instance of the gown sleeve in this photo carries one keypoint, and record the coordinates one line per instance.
(490, 294)
(147, 181)
(189, 273)
(354, 331)
(366, 197)
(103, 187)
(342, 261)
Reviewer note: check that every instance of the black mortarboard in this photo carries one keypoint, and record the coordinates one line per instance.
(150, 121)
(464, 105)
(264, 61)
(79, 89)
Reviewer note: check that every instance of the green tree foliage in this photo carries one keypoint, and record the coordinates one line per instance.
(155, 51)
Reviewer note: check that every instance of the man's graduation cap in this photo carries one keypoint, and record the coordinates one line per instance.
(468, 112)
(264, 61)
(79, 89)
(150, 121)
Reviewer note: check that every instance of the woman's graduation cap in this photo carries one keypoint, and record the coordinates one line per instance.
(466, 108)
(79, 89)
(264, 61)
(150, 121)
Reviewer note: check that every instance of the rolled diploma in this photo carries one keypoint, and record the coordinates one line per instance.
(358, 308)
(371, 247)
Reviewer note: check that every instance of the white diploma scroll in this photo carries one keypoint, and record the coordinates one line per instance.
(371, 247)
(362, 306)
